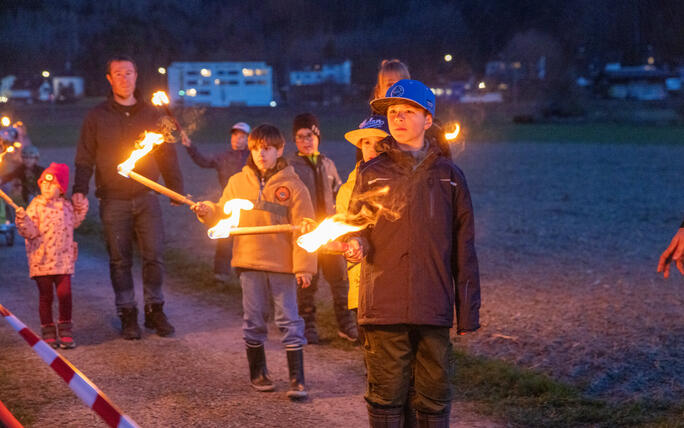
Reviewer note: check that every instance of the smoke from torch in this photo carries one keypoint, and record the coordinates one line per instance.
(160, 99)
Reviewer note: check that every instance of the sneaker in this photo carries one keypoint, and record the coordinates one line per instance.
(155, 319)
(49, 333)
(66, 339)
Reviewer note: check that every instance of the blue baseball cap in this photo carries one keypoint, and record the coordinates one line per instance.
(406, 91)
(373, 126)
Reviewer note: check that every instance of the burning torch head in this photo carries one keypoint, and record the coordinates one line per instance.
(160, 98)
(231, 208)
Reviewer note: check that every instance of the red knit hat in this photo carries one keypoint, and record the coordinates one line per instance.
(59, 172)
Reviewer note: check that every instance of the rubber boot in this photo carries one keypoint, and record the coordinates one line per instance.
(66, 338)
(258, 375)
(129, 323)
(295, 365)
(433, 420)
(155, 319)
(382, 417)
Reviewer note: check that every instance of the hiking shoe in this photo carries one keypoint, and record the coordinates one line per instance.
(311, 334)
(129, 323)
(66, 339)
(155, 319)
(49, 333)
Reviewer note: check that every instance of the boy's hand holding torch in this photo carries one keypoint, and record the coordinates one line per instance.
(303, 279)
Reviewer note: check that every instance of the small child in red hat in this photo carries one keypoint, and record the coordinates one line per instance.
(48, 226)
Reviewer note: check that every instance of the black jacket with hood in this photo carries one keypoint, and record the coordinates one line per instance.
(422, 264)
(108, 137)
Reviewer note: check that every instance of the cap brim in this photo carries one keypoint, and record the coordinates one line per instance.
(356, 135)
(380, 105)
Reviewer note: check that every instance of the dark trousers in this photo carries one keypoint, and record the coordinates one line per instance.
(45, 284)
(223, 256)
(334, 270)
(393, 352)
(125, 220)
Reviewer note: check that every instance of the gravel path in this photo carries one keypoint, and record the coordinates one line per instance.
(197, 378)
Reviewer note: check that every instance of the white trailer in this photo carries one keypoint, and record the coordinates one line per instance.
(220, 84)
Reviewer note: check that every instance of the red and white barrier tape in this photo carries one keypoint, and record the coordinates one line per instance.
(77, 381)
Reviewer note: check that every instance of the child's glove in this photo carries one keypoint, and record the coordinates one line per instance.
(303, 279)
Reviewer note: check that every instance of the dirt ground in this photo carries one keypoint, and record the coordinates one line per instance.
(197, 378)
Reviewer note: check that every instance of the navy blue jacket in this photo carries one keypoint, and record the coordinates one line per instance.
(421, 265)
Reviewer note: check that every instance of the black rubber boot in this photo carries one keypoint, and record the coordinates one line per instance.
(432, 420)
(295, 365)
(129, 323)
(155, 319)
(258, 375)
(381, 417)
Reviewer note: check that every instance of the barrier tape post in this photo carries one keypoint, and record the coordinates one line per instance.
(7, 419)
(77, 381)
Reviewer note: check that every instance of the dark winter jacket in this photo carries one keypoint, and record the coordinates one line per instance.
(108, 137)
(421, 265)
(322, 180)
(226, 163)
(29, 180)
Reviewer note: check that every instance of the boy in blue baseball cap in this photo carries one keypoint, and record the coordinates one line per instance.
(415, 269)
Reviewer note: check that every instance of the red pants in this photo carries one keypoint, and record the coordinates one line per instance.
(63, 285)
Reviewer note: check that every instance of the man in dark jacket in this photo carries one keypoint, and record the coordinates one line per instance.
(226, 164)
(419, 264)
(127, 208)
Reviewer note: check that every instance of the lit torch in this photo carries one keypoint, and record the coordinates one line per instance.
(451, 135)
(230, 226)
(3, 195)
(146, 145)
(5, 121)
(160, 99)
(327, 231)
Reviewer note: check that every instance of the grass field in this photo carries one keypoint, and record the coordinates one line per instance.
(59, 125)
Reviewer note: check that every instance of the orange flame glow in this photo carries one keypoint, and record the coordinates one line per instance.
(450, 136)
(16, 144)
(330, 229)
(232, 209)
(144, 146)
(5, 121)
(159, 98)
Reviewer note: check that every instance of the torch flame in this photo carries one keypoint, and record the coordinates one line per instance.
(159, 98)
(16, 144)
(330, 229)
(150, 140)
(450, 136)
(232, 208)
(5, 121)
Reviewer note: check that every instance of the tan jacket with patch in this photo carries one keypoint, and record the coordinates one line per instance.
(280, 199)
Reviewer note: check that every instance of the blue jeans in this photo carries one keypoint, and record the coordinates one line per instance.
(257, 288)
(123, 220)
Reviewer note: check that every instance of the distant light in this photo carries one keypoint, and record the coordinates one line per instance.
(503, 86)
(517, 64)
(247, 72)
(439, 92)
(481, 85)
(192, 92)
(181, 93)
(5, 121)
(273, 104)
(205, 72)
(448, 57)
(16, 144)
(449, 92)
(217, 82)
(434, 91)
(3, 99)
(651, 60)
(46, 74)
(161, 70)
